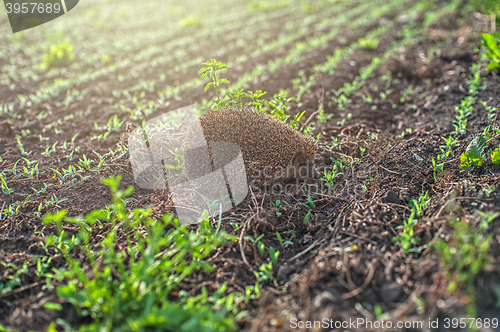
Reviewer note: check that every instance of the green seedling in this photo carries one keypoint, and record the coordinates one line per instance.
(475, 80)
(406, 94)
(493, 50)
(273, 254)
(295, 122)
(322, 117)
(5, 188)
(282, 243)
(160, 255)
(492, 111)
(307, 217)
(406, 237)
(49, 150)
(30, 170)
(59, 54)
(114, 123)
(464, 256)
(276, 205)
(495, 156)
(369, 43)
(85, 162)
(14, 280)
(437, 166)
(20, 145)
(265, 273)
(421, 204)
(473, 157)
(211, 71)
(192, 21)
(463, 112)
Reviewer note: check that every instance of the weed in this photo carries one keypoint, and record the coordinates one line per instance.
(59, 54)
(265, 273)
(5, 188)
(369, 43)
(210, 71)
(307, 217)
(437, 166)
(133, 288)
(473, 157)
(20, 145)
(114, 123)
(406, 237)
(463, 257)
(273, 254)
(492, 111)
(464, 111)
(493, 50)
(421, 204)
(191, 21)
(475, 80)
(282, 243)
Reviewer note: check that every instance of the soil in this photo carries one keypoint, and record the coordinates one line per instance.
(343, 263)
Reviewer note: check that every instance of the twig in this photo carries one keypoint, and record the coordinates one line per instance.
(389, 170)
(306, 250)
(309, 119)
(365, 284)
(242, 239)
(2, 210)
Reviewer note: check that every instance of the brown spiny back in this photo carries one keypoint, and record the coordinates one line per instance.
(263, 140)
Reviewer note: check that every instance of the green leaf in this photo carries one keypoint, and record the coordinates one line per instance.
(493, 65)
(490, 43)
(495, 157)
(52, 306)
(208, 85)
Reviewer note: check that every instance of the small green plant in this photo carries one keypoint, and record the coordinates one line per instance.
(369, 43)
(14, 280)
(59, 54)
(493, 50)
(421, 204)
(132, 288)
(492, 111)
(211, 71)
(282, 243)
(495, 156)
(273, 254)
(322, 117)
(5, 188)
(463, 257)
(463, 112)
(307, 217)
(20, 145)
(406, 237)
(265, 273)
(473, 157)
(475, 80)
(114, 123)
(191, 21)
(276, 205)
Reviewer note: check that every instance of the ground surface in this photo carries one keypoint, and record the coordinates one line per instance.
(343, 262)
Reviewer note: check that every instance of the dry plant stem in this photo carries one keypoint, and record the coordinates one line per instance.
(389, 170)
(306, 250)
(309, 119)
(242, 240)
(365, 284)
(1, 211)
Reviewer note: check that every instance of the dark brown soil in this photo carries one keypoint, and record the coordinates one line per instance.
(343, 262)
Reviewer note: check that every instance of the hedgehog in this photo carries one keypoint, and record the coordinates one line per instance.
(272, 151)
